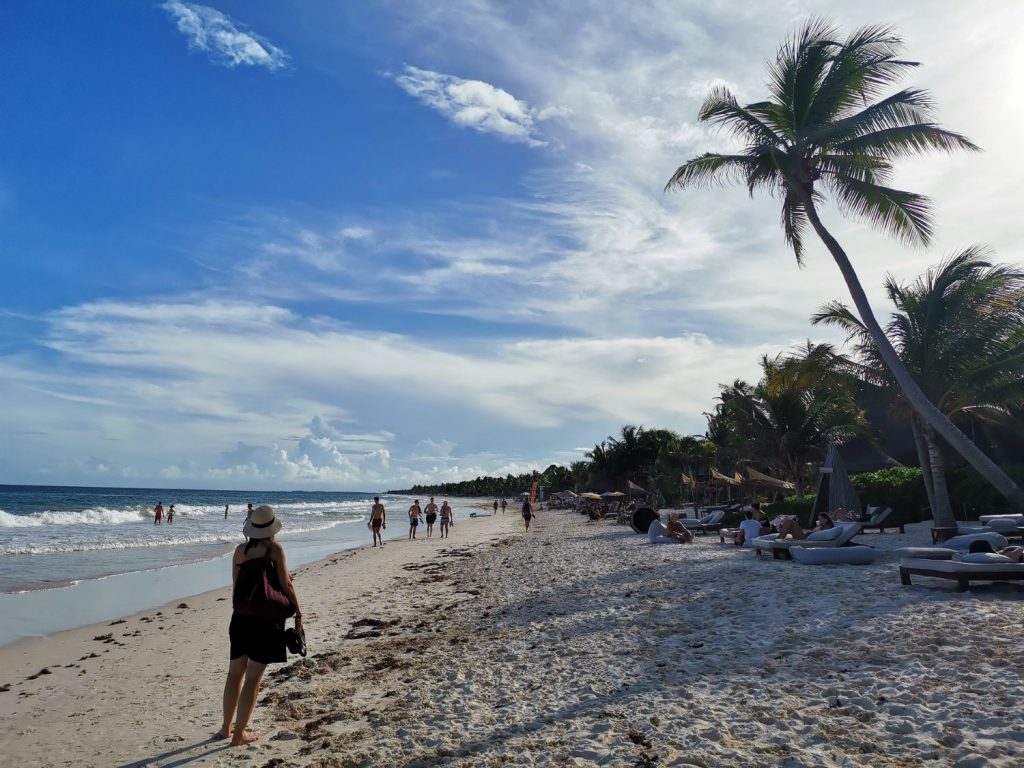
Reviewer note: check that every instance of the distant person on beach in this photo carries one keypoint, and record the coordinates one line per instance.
(226, 511)
(255, 640)
(495, 506)
(749, 530)
(158, 513)
(527, 514)
(414, 518)
(503, 505)
(431, 511)
(248, 513)
(790, 527)
(677, 530)
(170, 515)
(447, 518)
(377, 518)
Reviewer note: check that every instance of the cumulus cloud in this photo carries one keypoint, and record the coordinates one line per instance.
(475, 104)
(220, 37)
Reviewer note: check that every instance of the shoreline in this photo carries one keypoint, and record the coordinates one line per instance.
(577, 644)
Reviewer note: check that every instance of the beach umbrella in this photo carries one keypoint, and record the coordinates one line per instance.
(642, 518)
(612, 495)
(590, 495)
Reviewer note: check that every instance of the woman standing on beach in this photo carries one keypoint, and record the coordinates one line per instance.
(527, 514)
(255, 640)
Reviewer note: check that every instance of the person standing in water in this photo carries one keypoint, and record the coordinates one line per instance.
(248, 513)
(414, 518)
(503, 505)
(170, 515)
(377, 520)
(495, 506)
(527, 514)
(431, 511)
(447, 518)
(158, 513)
(226, 511)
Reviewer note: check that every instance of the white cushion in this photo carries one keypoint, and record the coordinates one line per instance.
(983, 557)
(1002, 523)
(829, 534)
(963, 543)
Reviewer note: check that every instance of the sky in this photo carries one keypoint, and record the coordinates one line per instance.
(356, 246)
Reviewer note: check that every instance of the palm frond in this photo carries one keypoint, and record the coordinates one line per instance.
(721, 108)
(904, 215)
(794, 224)
(905, 107)
(711, 168)
(907, 140)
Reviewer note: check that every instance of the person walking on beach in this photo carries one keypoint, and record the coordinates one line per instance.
(447, 518)
(226, 511)
(158, 513)
(170, 515)
(527, 514)
(495, 506)
(256, 641)
(377, 520)
(431, 511)
(248, 513)
(414, 518)
(503, 505)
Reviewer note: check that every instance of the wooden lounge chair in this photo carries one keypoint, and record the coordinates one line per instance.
(962, 573)
(878, 520)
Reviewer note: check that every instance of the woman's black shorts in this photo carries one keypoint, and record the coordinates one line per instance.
(259, 638)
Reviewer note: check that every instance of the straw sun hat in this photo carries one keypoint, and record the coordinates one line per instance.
(262, 525)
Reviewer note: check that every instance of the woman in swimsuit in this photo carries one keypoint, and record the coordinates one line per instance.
(527, 514)
(446, 518)
(414, 518)
(255, 640)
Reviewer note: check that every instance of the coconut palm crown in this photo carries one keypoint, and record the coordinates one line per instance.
(828, 129)
(825, 129)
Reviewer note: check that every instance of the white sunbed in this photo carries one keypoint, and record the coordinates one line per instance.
(962, 573)
(780, 547)
(704, 524)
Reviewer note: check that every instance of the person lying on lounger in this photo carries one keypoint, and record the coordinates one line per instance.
(677, 530)
(1016, 554)
(790, 527)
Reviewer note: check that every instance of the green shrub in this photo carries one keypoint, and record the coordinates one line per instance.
(898, 487)
(792, 505)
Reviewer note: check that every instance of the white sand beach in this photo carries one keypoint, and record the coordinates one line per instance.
(577, 645)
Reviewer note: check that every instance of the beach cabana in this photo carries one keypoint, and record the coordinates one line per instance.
(835, 491)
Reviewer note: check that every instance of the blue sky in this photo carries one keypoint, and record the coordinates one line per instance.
(360, 245)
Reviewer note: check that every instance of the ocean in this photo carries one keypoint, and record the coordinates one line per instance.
(52, 537)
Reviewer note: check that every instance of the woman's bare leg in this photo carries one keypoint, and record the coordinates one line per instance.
(232, 689)
(789, 527)
(247, 703)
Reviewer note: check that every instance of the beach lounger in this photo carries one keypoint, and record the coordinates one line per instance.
(710, 522)
(853, 555)
(878, 520)
(962, 573)
(844, 532)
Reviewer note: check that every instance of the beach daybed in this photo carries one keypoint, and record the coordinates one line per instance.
(963, 573)
(838, 536)
(853, 555)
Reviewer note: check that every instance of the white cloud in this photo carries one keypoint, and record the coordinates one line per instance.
(209, 30)
(475, 104)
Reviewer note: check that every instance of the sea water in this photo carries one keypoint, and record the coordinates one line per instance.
(56, 536)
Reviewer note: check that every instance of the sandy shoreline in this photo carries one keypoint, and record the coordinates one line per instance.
(578, 645)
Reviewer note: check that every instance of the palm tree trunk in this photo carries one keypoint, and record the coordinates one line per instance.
(926, 464)
(943, 512)
(930, 415)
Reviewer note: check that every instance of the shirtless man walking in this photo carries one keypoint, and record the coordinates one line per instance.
(414, 518)
(377, 520)
(431, 511)
(447, 518)
(158, 513)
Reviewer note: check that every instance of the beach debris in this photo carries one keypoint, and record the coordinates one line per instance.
(5, 688)
(118, 621)
(107, 638)
(182, 606)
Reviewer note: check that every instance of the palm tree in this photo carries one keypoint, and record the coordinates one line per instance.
(802, 403)
(960, 330)
(826, 127)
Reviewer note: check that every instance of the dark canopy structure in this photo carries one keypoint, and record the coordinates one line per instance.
(835, 491)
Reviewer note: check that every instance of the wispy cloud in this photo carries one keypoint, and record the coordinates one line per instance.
(475, 104)
(222, 38)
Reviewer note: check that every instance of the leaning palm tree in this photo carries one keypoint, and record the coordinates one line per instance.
(960, 330)
(827, 127)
